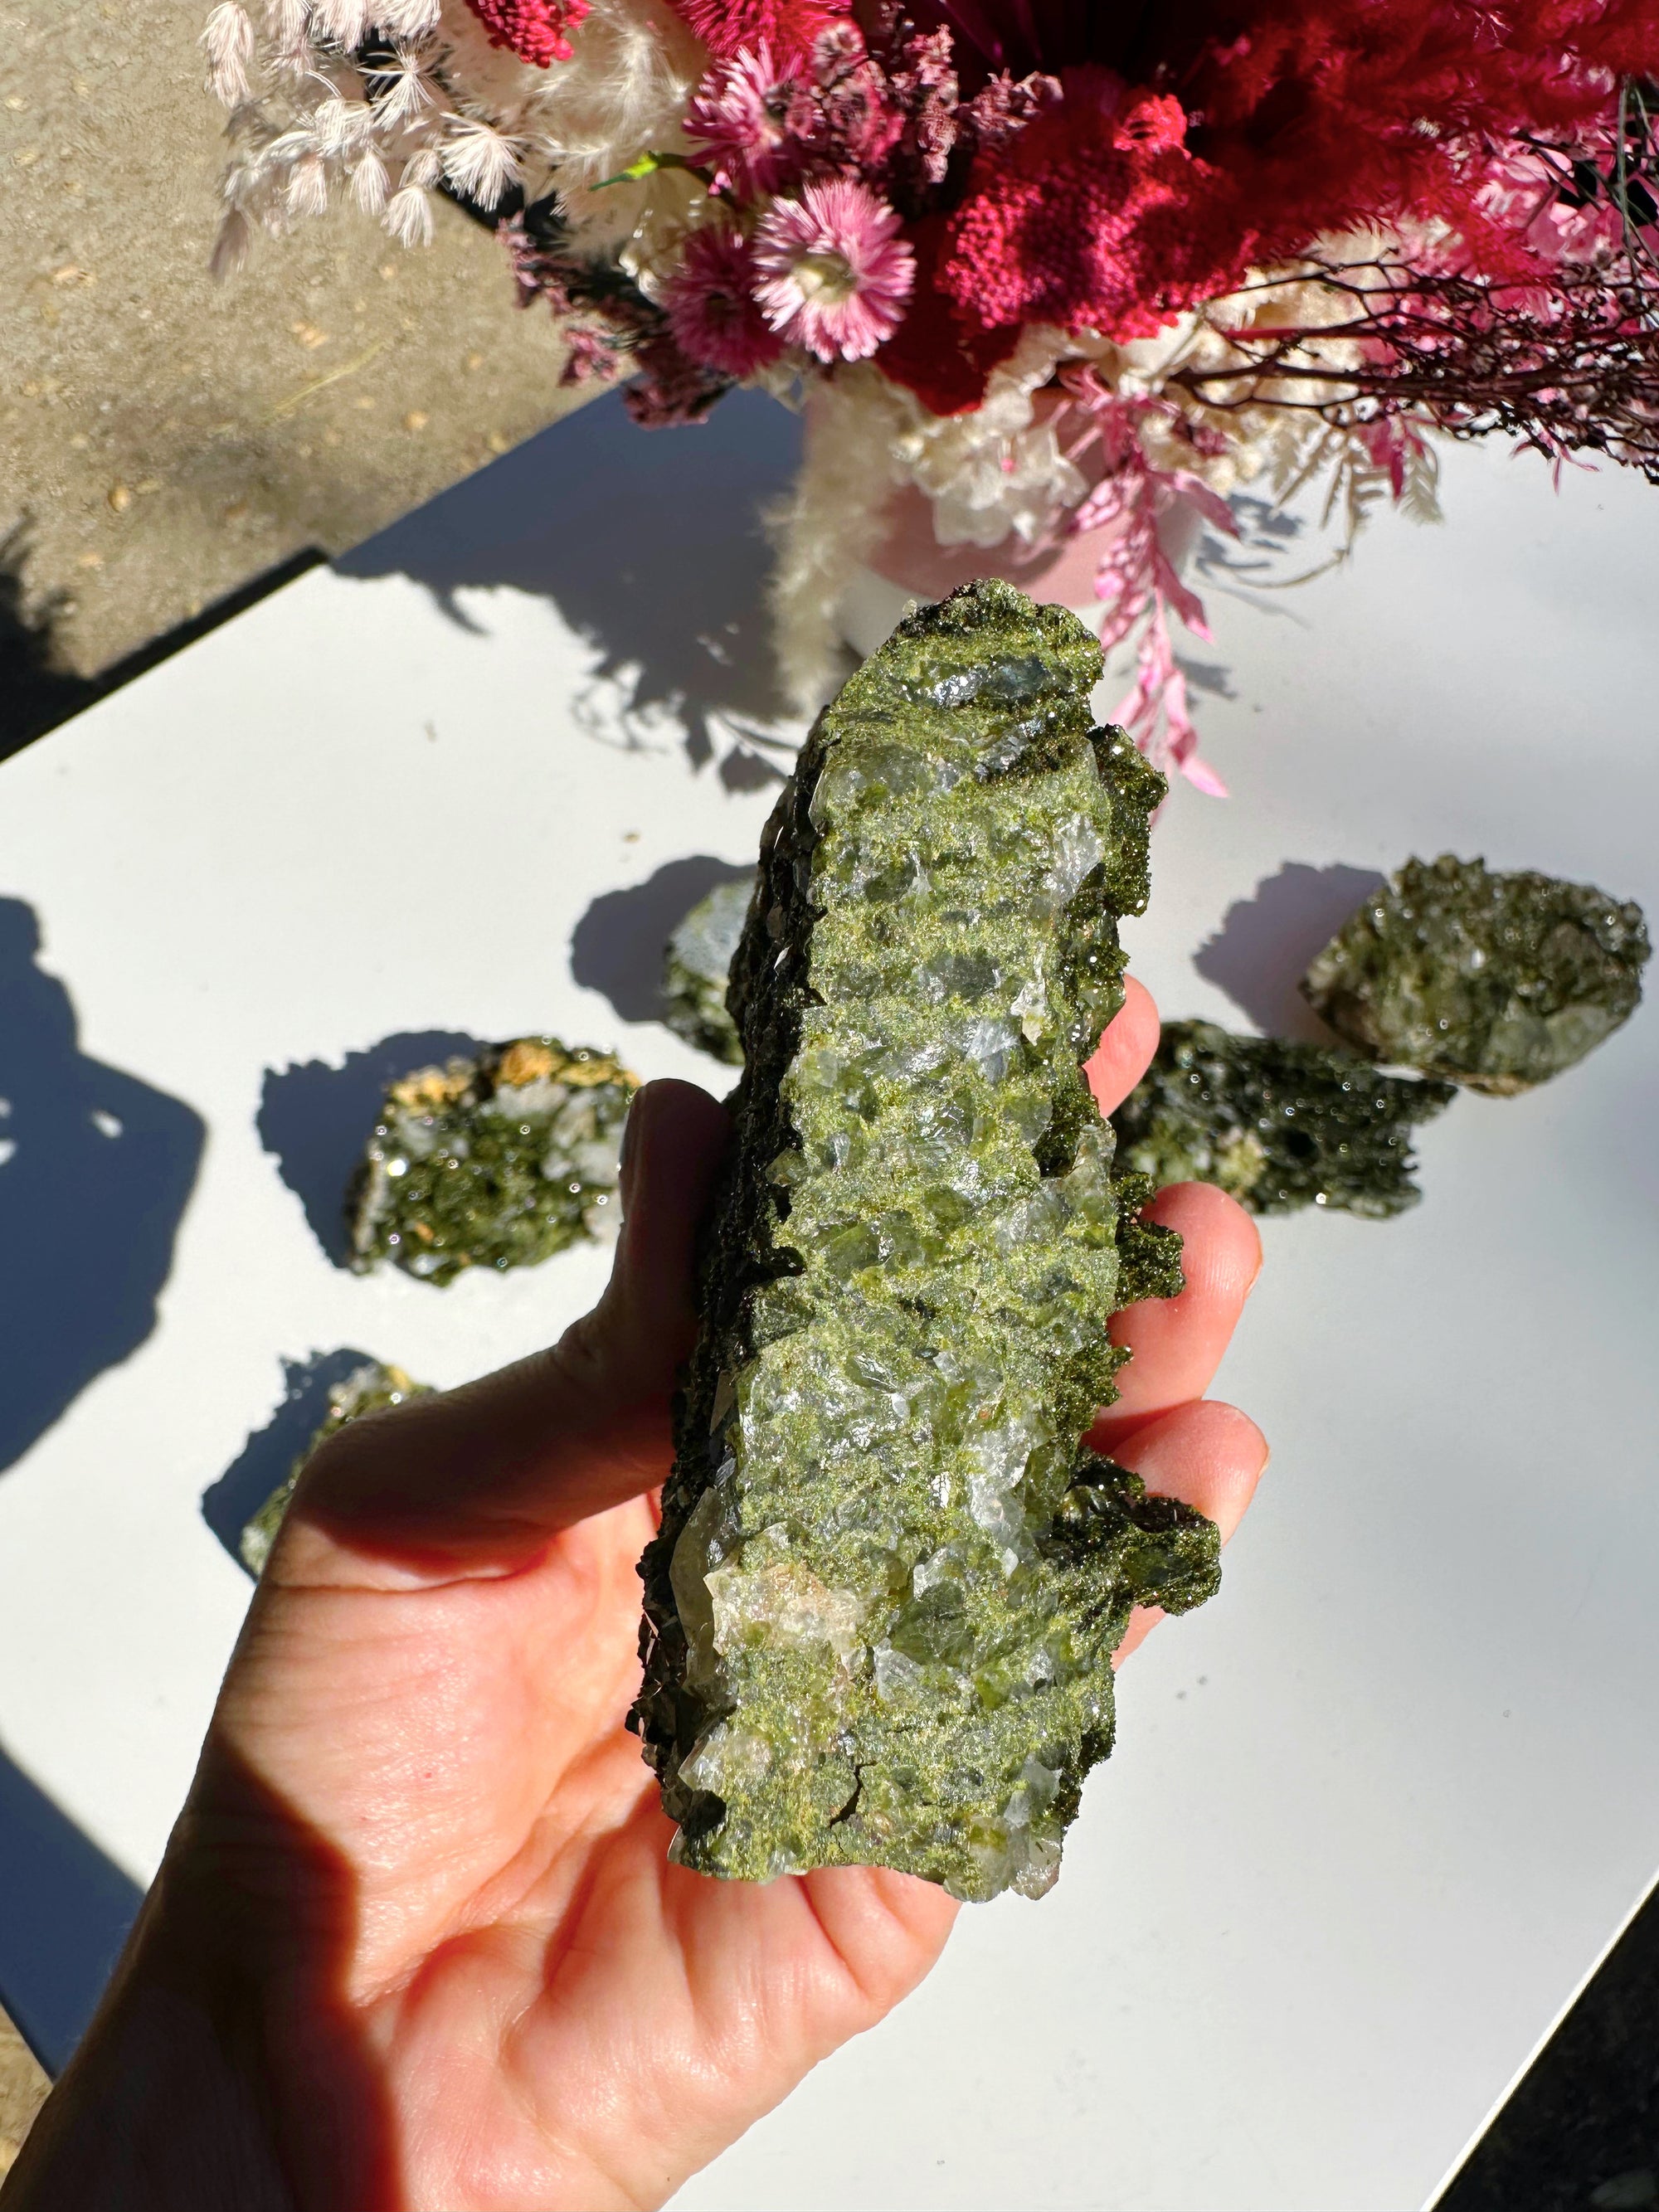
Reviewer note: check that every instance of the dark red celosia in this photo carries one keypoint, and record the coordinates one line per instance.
(1300, 122)
(935, 353)
(538, 31)
(728, 28)
(1096, 216)
(1367, 109)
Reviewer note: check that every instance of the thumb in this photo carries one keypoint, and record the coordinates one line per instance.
(477, 1480)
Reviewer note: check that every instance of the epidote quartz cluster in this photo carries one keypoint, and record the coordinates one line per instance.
(1496, 981)
(696, 964)
(882, 1606)
(1278, 1125)
(497, 1162)
(367, 1389)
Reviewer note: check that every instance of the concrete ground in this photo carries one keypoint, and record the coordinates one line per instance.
(164, 440)
(23, 2090)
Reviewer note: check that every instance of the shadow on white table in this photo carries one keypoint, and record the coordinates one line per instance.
(1375, 1811)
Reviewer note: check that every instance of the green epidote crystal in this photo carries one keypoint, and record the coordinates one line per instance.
(494, 1162)
(695, 968)
(881, 1607)
(1495, 981)
(1278, 1125)
(367, 1390)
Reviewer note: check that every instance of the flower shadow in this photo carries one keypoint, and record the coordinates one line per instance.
(651, 545)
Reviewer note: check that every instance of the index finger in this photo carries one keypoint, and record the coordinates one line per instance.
(1126, 1048)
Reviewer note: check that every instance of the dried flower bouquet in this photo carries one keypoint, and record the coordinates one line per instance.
(1051, 268)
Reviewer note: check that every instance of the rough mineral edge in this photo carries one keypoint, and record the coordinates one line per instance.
(881, 1608)
(367, 1390)
(1494, 981)
(497, 1162)
(1276, 1124)
(696, 965)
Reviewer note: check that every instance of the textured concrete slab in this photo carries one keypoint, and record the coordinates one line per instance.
(23, 2091)
(164, 438)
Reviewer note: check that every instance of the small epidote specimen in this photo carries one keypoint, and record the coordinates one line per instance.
(496, 1162)
(1496, 981)
(366, 1390)
(1278, 1125)
(881, 1607)
(696, 966)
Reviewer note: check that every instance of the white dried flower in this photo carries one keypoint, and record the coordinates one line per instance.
(293, 145)
(228, 42)
(480, 160)
(370, 181)
(287, 32)
(344, 22)
(407, 19)
(342, 125)
(306, 190)
(403, 87)
(409, 211)
(408, 216)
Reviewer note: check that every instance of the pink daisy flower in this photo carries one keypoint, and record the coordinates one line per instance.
(836, 273)
(711, 308)
(741, 113)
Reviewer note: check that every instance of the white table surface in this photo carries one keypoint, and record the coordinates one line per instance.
(1378, 1810)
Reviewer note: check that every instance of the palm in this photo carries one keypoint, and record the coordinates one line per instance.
(423, 1874)
(524, 1955)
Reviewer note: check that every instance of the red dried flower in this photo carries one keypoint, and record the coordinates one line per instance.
(740, 116)
(711, 304)
(728, 28)
(836, 274)
(933, 353)
(538, 31)
(1096, 216)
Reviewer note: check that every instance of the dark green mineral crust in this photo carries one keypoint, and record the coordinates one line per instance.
(1495, 981)
(696, 967)
(1278, 1125)
(497, 1162)
(366, 1390)
(881, 1609)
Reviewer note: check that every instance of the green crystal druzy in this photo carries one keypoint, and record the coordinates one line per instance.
(1495, 981)
(1278, 1125)
(881, 1607)
(367, 1389)
(696, 965)
(498, 1162)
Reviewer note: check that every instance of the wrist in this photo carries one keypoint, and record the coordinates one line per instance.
(168, 2105)
(156, 2112)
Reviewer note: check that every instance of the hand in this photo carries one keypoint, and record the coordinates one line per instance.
(416, 1941)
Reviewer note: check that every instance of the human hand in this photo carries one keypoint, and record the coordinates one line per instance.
(416, 1942)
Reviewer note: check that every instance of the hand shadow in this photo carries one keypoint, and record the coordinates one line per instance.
(268, 1458)
(618, 946)
(1264, 943)
(651, 545)
(318, 1118)
(278, 1910)
(96, 1169)
(67, 1912)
